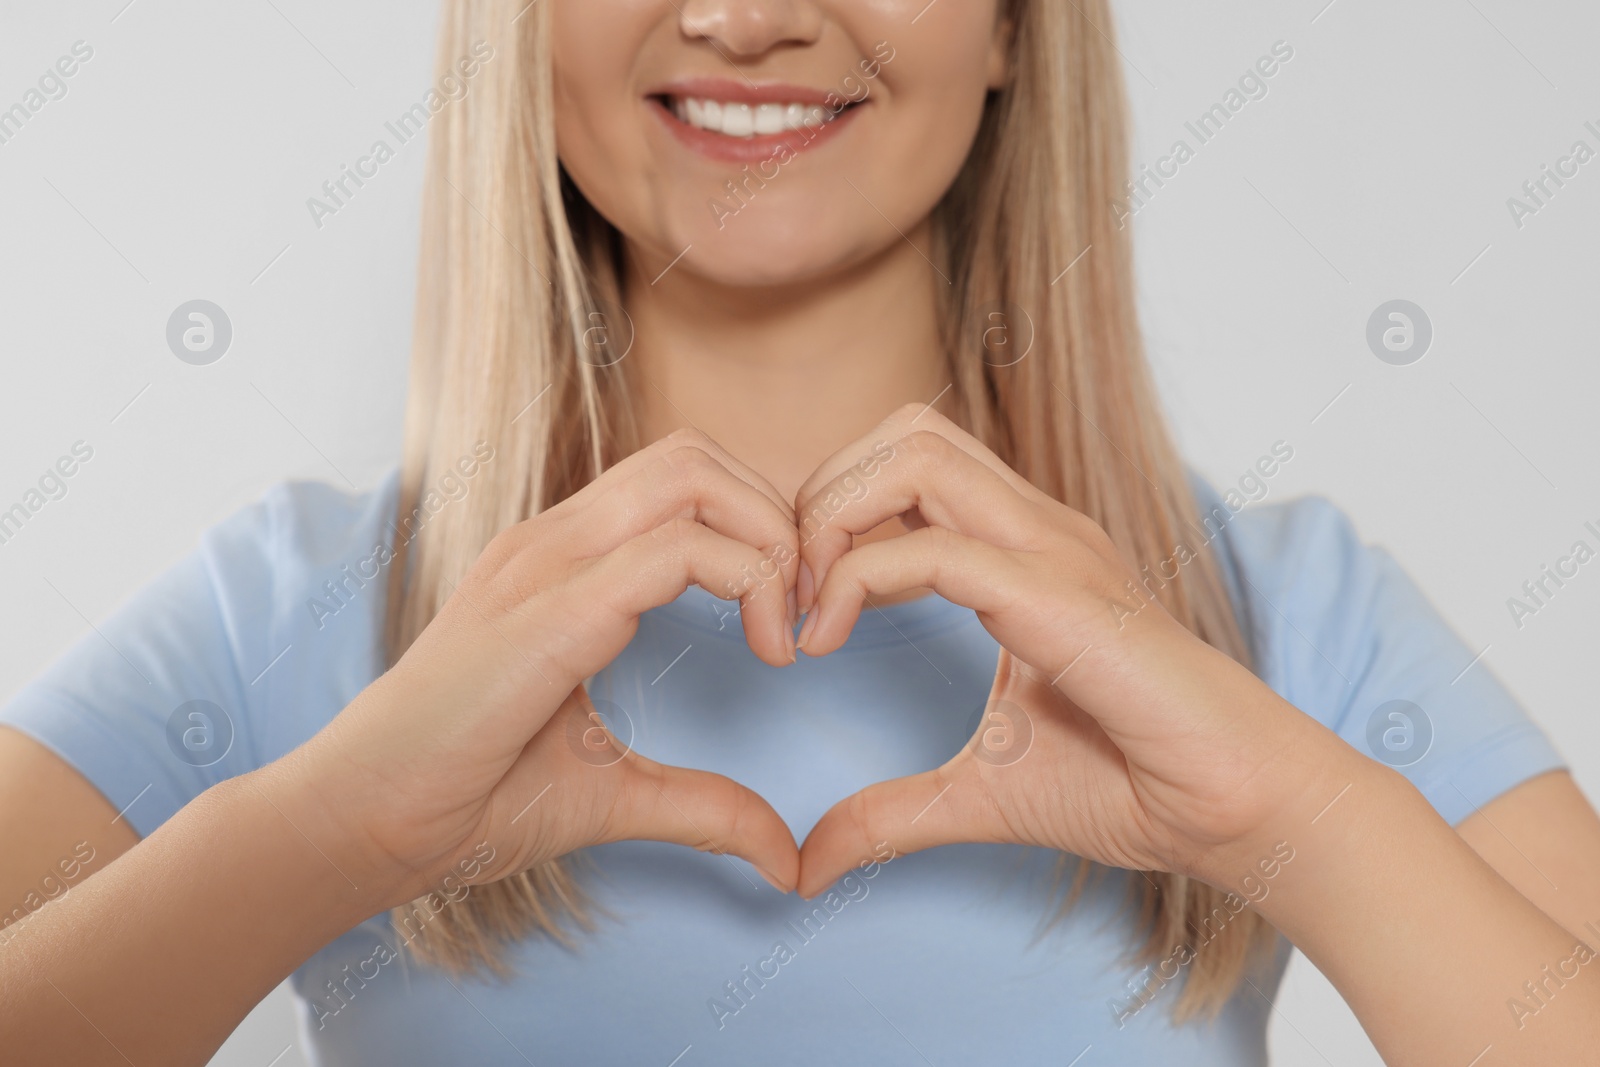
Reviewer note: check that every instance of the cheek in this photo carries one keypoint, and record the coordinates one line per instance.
(938, 104)
(596, 114)
(934, 103)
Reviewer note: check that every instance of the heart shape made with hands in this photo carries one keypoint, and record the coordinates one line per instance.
(1074, 749)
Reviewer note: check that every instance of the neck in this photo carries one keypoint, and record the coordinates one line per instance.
(783, 378)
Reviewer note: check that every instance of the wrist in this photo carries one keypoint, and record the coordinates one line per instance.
(1295, 867)
(318, 809)
(1318, 787)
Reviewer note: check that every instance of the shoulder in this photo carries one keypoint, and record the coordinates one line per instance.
(1341, 631)
(309, 521)
(302, 575)
(231, 657)
(1307, 588)
(301, 557)
(316, 535)
(1299, 561)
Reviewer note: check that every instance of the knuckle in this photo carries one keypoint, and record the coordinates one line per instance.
(940, 548)
(510, 541)
(858, 814)
(513, 566)
(686, 436)
(517, 582)
(914, 411)
(738, 808)
(846, 571)
(787, 551)
(500, 550)
(677, 532)
(941, 541)
(689, 463)
(925, 445)
(1094, 537)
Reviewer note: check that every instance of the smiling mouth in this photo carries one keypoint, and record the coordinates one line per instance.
(747, 121)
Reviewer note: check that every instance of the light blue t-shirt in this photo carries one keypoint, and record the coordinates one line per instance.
(943, 957)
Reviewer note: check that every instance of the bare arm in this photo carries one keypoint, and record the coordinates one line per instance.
(160, 954)
(1544, 838)
(428, 775)
(58, 829)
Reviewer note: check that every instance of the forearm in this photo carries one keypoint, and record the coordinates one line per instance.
(1431, 948)
(158, 957)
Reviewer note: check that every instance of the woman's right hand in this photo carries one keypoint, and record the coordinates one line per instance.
(483, 733)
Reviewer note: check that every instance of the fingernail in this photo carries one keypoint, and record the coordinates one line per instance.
(779, 886)
(805, 631)
(794, 613)
(806, 587)
(788, 640)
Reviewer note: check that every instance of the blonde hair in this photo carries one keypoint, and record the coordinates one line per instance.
(515, 261)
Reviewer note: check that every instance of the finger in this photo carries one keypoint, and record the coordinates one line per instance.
(704, 811)
(928, 476)
(654, 568)
(962, 569)
(939, 807)
(688, 437)
(909, 419)
(649, 488)
(738, 466)
(690, 483)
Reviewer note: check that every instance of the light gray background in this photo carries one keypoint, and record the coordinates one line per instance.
(1378, 167)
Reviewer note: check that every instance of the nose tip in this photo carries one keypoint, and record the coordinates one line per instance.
(751, 27)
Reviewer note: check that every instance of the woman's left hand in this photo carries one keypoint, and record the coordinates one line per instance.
(1112, 732)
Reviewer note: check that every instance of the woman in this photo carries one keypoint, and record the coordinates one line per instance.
(733, 313)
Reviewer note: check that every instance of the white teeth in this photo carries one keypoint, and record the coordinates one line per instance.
(770, 119)
(743, 120)
(737, 121)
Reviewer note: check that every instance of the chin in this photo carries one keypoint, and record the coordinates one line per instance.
(768, 267)
(773, 248)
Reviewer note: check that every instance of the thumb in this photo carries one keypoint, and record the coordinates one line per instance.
(939, 807)
(704, 811)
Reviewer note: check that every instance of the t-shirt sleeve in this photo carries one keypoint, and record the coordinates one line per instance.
(1344, 634)
(151, 704)
(241, 651)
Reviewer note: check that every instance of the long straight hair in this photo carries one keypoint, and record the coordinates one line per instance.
(516, 265)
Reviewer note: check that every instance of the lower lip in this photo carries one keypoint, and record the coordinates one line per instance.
(759, 149)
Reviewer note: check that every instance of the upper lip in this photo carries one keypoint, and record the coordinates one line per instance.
(736, 91)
